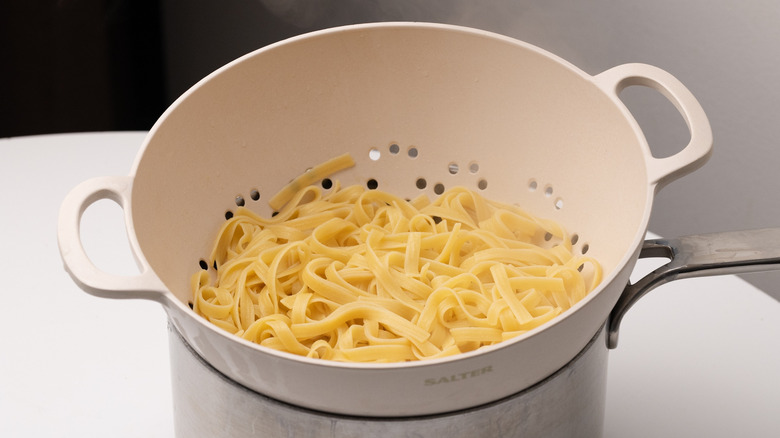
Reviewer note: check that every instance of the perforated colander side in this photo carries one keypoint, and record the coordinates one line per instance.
(436, 181)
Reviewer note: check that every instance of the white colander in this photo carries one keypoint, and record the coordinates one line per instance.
(421, 108)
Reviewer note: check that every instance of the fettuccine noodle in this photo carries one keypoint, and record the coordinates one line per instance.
(352, 274)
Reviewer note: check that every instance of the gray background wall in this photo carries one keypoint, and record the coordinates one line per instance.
(725, 51)
(91, 65)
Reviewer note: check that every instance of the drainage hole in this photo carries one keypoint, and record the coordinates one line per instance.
(413, 152)
(240, 201)
(203, 265)
(394, 148)
(482, 184)
(372, 184)
(453, 168)
(421, 183)
(327, 183)
(228, 214)
(254, 194)
(438, 188)
(374, 154)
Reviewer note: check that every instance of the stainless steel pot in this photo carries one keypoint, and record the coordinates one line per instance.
(411, 102)
(568, 403)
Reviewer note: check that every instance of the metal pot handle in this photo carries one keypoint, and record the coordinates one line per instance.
(661, 171)
(85, 274)
(732, 252)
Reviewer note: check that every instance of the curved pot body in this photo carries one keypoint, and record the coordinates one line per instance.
(568, 403)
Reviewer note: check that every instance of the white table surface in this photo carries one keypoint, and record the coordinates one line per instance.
(697, 357)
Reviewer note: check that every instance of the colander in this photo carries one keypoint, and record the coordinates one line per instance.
(421, 108)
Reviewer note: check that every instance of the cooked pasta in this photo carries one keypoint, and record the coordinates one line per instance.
(351, 274)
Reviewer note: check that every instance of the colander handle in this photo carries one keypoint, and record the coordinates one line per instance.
(662, 171)
(85, 274)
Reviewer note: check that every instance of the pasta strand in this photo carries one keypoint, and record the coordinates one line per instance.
(362, 275)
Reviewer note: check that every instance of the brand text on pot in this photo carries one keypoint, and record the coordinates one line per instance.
(458, 377)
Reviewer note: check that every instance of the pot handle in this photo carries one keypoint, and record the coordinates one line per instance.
(732, 252)
(85, 274)
(662, 171)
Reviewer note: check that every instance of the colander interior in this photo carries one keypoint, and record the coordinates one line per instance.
(420, 108)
